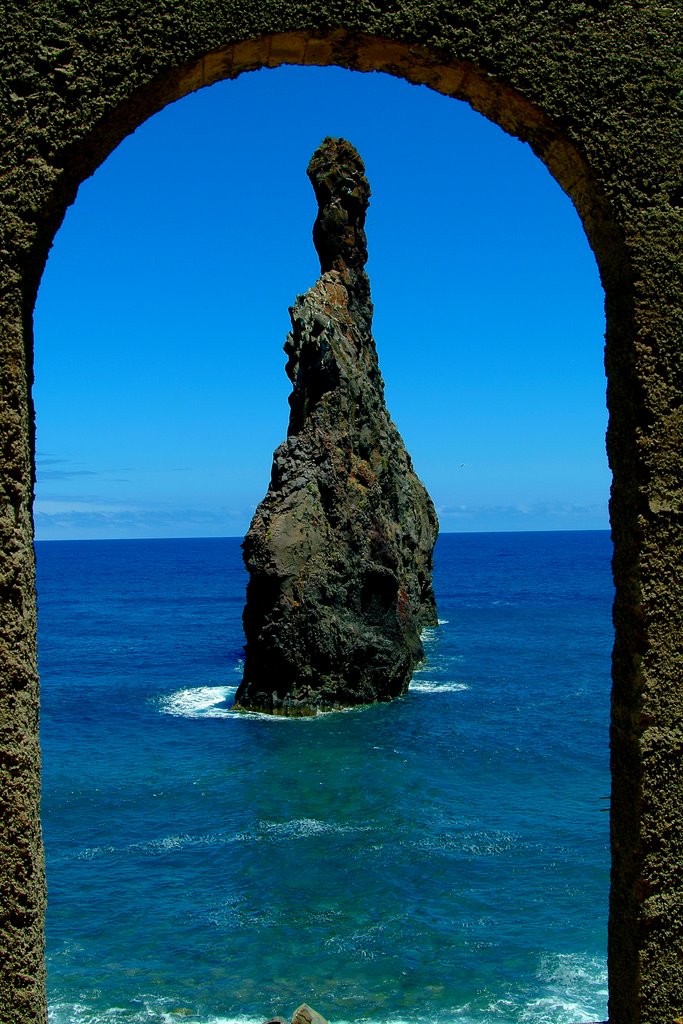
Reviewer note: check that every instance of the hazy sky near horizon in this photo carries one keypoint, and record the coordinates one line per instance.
(160, 386)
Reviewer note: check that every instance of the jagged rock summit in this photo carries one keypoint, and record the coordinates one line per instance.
(339, 551)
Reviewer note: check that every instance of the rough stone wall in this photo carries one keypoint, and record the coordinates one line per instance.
(591, 85)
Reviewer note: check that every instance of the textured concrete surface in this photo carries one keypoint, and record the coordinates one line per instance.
(591, 86)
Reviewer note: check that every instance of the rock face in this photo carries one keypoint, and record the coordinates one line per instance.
(303, 1015)
(339, 551)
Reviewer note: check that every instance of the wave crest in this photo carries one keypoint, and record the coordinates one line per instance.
(198, 702)
(435, 686)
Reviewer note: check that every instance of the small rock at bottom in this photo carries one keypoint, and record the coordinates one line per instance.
(305, 1014)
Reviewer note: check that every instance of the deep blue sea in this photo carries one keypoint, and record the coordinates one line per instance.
(443, 858)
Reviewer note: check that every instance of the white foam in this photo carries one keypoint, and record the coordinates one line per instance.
(300, 828)
(319, 715)
(572, 987)
(153, 1011)
(90, 852)
(576, 990)
(266, 717)
(571, 969)
(205, 701)
(167, 843)
(161, 1010)
(435, 686)
(169, 1011)
(198, 702)
(477, 843)
(175, 1017)
(442, 622)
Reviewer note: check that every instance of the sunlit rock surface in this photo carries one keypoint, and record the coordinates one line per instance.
(339, 551)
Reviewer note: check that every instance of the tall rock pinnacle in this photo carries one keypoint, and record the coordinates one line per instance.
(343, 193)
(339, 551)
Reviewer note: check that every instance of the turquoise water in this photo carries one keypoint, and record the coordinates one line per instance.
(441, 857)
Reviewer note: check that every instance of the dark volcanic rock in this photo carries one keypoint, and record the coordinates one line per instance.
(340, 550)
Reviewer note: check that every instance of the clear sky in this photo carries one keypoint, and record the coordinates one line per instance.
(160, 385)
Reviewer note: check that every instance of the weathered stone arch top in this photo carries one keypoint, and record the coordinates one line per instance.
(591, 85)
(81, 76)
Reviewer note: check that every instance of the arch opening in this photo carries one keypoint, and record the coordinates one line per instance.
(305, 232)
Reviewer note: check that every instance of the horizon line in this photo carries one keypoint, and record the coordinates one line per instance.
(240, 537)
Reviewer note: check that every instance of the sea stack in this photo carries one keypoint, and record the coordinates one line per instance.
(339, 551)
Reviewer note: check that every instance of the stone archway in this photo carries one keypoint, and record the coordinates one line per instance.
(590, 88)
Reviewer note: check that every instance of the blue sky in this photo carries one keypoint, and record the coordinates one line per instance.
(160, 386)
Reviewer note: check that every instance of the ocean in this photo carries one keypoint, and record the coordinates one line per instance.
(440, 858)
